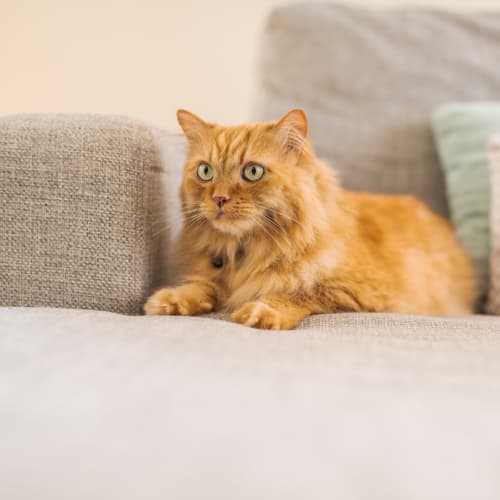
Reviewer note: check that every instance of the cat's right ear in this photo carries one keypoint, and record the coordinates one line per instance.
(192, 125)
(293, 130)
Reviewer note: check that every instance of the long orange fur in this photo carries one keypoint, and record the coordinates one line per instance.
(295, 243)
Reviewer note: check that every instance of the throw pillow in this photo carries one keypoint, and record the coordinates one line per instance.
(494, 293)
(462, 132)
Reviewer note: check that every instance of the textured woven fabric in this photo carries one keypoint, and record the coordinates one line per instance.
(82, 211)
(349, 406)
(494, 292)
(462, 132)
(369, 80)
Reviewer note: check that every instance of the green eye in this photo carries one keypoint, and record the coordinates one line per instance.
(253, 172)
(205, 172)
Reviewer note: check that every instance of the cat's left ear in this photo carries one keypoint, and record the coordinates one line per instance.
(293, 129)
(192, 125)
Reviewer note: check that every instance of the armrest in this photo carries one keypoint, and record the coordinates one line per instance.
(83, 220)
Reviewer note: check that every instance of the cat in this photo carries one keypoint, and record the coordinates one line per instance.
(270, 236)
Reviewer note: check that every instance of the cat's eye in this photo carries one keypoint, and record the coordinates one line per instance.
(205, 172)
(253, 172)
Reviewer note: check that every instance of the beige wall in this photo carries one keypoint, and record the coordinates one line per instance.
(143, 58)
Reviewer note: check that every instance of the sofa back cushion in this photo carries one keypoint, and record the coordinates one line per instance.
(82, 212)
(369, 80)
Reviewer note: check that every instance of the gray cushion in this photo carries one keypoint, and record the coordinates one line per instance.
(351, 406)
(369, 80)
(82, 211)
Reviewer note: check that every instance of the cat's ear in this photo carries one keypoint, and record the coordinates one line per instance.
(192, 125)
(293, 130)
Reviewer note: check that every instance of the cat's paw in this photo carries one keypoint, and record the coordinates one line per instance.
(175, 301)
(260, 315)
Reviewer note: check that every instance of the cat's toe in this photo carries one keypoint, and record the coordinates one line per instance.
(153, 307)
(174, 301)
(166, 301)
(260, 315)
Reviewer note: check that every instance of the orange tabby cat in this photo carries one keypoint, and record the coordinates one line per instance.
(271, 237)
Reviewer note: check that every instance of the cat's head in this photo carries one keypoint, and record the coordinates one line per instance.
(243, 178)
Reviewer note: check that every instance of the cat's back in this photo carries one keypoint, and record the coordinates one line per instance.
(401, 234)
(399, 218)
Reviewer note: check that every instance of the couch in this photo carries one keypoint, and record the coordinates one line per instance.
(100, 402)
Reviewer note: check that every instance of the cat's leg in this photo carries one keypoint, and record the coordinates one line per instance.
(273, 312)
(189, 299)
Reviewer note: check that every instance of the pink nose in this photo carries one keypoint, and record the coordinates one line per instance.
(220, 200)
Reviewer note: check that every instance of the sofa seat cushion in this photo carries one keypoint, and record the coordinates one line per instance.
(353, 406)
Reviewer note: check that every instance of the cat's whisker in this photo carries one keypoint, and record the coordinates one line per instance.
(190, 207)
(268, 234)
(262, 226)
(188, 213)
(190, 210)
(193, 219)
(288, 217)
(191, 214)
(275, 224)
(280, 213)
(160, 232)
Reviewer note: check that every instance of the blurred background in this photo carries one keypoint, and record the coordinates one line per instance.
(142, 58)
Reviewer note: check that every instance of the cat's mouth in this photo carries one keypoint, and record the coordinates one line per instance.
(222, 214)
(222, 218)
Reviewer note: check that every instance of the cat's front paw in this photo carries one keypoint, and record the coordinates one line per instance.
(175, 301)
(260, 315)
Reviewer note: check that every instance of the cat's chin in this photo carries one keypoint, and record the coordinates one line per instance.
(232, 226)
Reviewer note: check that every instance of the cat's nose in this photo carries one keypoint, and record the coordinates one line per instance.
(220, 200)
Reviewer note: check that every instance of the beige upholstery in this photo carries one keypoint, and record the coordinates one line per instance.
(96, 405)
(369, 80)
(494, 293)
(83, 212)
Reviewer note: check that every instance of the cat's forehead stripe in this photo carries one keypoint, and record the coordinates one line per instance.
(218, 149)
(213, 153)
(230, 146)
(225, 152)
(240, 146)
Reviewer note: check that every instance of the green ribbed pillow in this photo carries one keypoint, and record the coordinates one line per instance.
(494, 292)
(462, 132)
